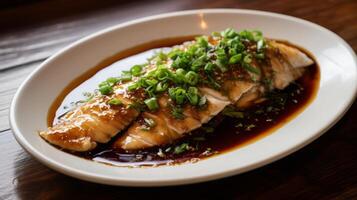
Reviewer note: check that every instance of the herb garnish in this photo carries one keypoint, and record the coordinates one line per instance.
(181, 72)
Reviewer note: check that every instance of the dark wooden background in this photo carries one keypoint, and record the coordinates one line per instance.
(31, 31)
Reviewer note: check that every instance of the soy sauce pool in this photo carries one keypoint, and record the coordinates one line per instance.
(220, 135)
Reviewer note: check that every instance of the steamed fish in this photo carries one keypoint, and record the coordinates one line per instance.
(176, 92)
(283, 64)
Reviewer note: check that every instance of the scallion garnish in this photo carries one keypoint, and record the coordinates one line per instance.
(209, 67)
(178, 94)
(112, 81)
(181, 148)
(191, 78)
(105, 89)
(181, 61)
(222, 59)
(202, 41)
(180, 75)
(231, 112)
(250, 68)
(125, 76)
(115, 102)
(182, 71)
(235, 59)
(161, 86)
(192, 95)
(152, 103)
(136, 70)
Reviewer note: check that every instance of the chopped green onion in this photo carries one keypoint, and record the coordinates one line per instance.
(152, 103)
(222, 59)
(209, 67)
(125, 77)
(180, 75)
(161, 87)
(251, 68)
(181, 62)
(178, 95)
(105, 89)
(231, 112)
(181, 148)
(187, 67)
(193, 50)
(249, 127)
(115, 102)
(192, 95)
(162, 73)
(162, 55)
(137, 106)
(247, 59)
(151, 90)
(247, 35)
(199, 62)
(232, 51)
(202, 41)
(257, 35)
(229, 33)
(103, 83)
(151, 82)
(136, 70)
(235, 59)
(112, 81)
(191, 78)
(133, 86)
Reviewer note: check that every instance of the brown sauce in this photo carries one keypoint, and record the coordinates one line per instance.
(228, 134)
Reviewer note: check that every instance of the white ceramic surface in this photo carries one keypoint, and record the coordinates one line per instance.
(336, 93)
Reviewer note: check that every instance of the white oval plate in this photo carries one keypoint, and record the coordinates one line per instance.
(336, 93)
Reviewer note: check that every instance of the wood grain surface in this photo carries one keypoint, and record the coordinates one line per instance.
(32, 30)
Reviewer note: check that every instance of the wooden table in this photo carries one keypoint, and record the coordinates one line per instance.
(33, 30)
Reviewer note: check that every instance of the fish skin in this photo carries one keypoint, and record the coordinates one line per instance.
(287, 65)
(94, 122)
(167, 128)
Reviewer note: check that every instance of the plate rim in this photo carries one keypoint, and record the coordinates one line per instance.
(132, 182)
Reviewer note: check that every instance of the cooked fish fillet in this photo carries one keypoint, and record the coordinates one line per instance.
(95, 121)
(168, 128)
(286, 65)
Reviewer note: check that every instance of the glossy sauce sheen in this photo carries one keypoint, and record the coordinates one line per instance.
(228, 134)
